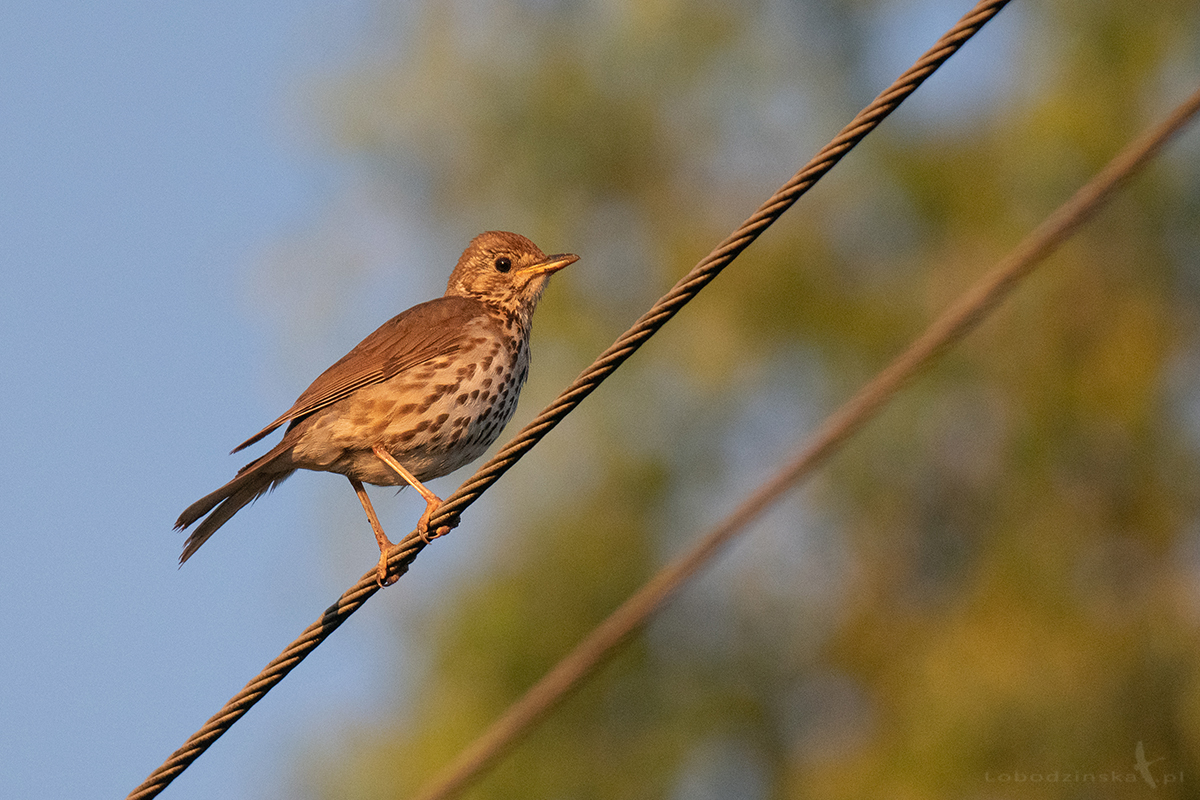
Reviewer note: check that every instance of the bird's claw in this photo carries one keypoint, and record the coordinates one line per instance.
(441, 530)
(427, 537)
(381, 571)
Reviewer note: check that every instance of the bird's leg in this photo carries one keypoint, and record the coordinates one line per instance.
(432, 501)
(381, 572)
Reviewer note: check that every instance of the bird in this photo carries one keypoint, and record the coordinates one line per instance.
(426, 393)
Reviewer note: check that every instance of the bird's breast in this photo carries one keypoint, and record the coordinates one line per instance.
(433, 418)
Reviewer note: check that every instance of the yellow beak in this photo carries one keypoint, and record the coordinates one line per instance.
(551, 264)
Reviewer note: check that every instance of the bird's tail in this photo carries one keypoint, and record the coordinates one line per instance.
(255, 479)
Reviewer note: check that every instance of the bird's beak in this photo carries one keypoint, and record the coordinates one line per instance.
(551, 264)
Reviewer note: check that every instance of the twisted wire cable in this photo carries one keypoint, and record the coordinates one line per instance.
(712, 264)
(404, 552)
(963, 316)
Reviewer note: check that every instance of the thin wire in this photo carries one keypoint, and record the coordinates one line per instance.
(404, 552)
(971, 308)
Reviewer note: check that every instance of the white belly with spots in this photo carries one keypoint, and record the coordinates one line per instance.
(433, 419)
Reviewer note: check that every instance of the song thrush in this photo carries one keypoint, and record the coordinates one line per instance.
(420, 397)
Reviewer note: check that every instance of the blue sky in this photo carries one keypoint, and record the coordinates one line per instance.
(148, 152)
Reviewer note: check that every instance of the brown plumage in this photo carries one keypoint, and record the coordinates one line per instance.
(423, 395)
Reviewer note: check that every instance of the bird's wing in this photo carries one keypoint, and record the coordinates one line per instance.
(421, 334)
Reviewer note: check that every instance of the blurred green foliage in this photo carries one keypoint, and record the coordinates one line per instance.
(1000, 579)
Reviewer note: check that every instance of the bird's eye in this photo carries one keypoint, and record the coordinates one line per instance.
(503, 264)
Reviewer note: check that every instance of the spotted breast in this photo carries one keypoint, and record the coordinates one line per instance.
(433, 420)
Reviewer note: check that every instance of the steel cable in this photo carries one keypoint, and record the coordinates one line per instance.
(404, 552)
(957, 321)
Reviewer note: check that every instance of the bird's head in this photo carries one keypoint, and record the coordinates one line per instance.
(505, 271)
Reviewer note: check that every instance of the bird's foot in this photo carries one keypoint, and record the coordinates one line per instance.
(381, 571)
(423, 525)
